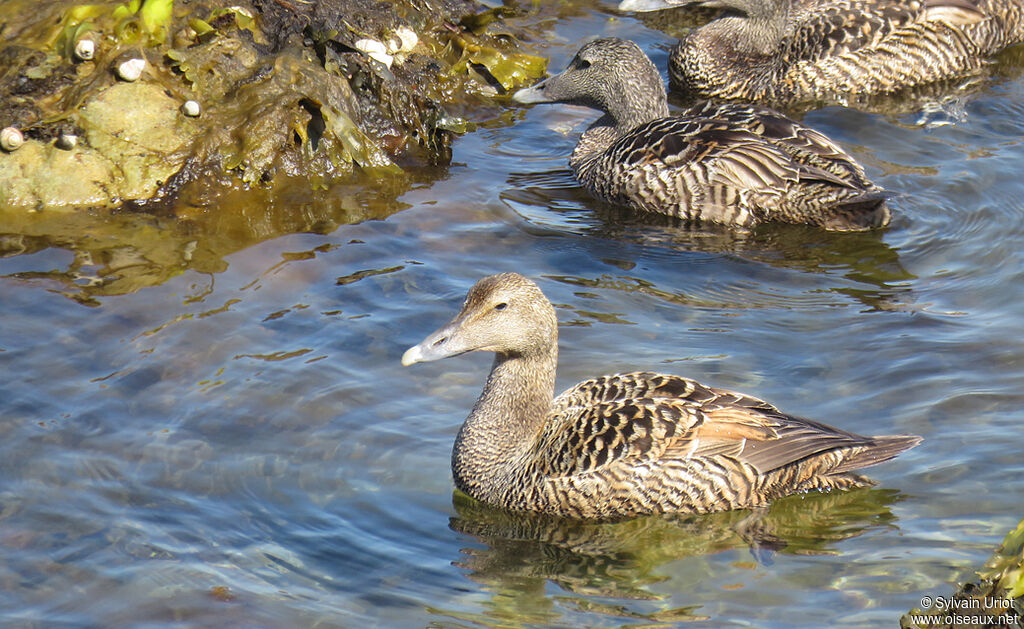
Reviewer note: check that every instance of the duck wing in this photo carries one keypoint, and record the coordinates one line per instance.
(641, 419)
(625, 417)
(709, 166)
(735, 164)
(761, 163)
(810, 148)
(745, 146)
(749, 178)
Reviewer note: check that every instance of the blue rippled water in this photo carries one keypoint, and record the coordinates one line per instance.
(238, 446)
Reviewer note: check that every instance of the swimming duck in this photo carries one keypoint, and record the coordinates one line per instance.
(828, 51)
(730, 163)
(627, 444)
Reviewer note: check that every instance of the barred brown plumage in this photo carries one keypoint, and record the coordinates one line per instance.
(626, 444)
(734, 164)
(788, 52)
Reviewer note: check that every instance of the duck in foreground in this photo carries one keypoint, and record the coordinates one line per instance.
(628, 444)
(783, 52)
(734, 164)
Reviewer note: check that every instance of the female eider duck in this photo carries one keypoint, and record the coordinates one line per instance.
(734, 164)
(784, 52)
(628, 444)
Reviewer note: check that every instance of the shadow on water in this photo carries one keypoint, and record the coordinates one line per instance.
(515, 556)
(553, 200)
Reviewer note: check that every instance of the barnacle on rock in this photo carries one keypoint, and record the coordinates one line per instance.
(130, 69)
(85, 49)
(191, 108)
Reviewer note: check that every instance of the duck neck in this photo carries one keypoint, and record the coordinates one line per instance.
(594, 141)
(495, 441)
(630, 108)
(757, 32)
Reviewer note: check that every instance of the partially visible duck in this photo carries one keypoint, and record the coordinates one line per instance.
(627, 444)
(734, 164)
(784, 52)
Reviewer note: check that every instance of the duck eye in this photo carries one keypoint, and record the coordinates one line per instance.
(500, 306)
(582, 64)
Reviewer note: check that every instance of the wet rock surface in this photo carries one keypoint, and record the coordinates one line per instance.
(322, 91)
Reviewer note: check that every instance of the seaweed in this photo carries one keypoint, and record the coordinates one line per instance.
(508, 69)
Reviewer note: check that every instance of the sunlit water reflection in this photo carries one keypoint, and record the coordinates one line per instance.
(227, 439)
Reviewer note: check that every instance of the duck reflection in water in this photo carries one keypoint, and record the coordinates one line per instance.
(517, 555)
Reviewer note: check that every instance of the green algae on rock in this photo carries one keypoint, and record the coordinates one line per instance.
(284, 91)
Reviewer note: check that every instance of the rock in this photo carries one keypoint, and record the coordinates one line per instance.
(136, 142)
(43, 177)
(136, 127)
(66, 141)
(317, 91)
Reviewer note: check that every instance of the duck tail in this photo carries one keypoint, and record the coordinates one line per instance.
(864, 211)
(878, 450)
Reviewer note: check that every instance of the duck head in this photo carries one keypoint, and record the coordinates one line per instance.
(506, 314)
(611, 75)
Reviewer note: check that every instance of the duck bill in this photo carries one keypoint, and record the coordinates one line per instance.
(643, 6)
(443, 343)
(535, 94)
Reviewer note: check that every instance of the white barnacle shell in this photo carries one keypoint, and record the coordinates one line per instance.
(191, 108)
(407, 38)
(66, 141)
(85, 49)
(11, 139)
(375, 50)
(130, 69)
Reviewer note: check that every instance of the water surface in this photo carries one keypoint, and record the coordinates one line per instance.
(205, 422)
